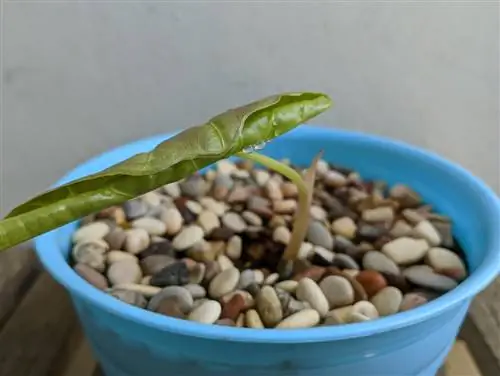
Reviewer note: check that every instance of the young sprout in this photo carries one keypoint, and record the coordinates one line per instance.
(226, 134)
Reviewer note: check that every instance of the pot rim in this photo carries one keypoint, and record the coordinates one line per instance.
(55, 263)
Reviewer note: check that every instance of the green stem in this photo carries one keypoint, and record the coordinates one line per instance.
(279, 167)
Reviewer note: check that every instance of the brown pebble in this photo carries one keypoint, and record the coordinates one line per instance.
(225, 322)
(412, 300)
(92, 276)
(359, 290)
(372, 281)
(233, 307)
(171, 307)
(314, 272)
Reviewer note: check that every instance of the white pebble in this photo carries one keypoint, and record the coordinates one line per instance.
(206, 313)
(306, 318)
(345, 227)
(208, 221)
(152, 225)
(234, 247)
(380, 214)
(137, 240)
(282, 234)
(91, 231)
(125, 271)
(308, 291)
(427, 231)
(173, 220)
(224, 282)
(116, 256)
(224, 262)
(188, 237)
(442, 259)
(406, 250)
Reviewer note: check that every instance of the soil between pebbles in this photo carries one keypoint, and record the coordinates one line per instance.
(208, 249)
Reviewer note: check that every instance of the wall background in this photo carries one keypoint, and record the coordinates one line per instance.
(79, 78)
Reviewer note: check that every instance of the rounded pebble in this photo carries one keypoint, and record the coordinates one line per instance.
(173, 220)
(184, 297)
(234, 222)
(196, 291)
(366, 309)
(93, 277)
(153, 226)
(175, 273)
(375, 260)
(234, 247)
(404, 251)
(306, 318)
(388, 300)
(147, 291)
(318, 234)
(337, 290)
(124, 271)
(91, 253)
(189, 236)
(412, 300)
(345, 227)
(253, 320)
(223, 283)
(372, 281)
(154, 263)
(137, 240)
(208, 221)
(91, 231)
(115, 256)
(282, 234)
(130, 297)
(427, 231)
(442, 260)
(269, 306)
(308, 291)
(289, 286)
(423, 275)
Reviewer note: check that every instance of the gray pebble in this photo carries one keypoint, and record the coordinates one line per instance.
(194, 186)
(125, 271)
(269, 307)
(374, 260)
(135, 208)
(183, 295)
(173, 274)
(318, 234)
(337, 290)
(424, 276)
(251, 218)
(116, 238)
(91, 276)
(234, 222)
(344, 261)
(196, 291)
(247, 277)
(189, 236)
(130, 297)
(91, 253)
(388, 300)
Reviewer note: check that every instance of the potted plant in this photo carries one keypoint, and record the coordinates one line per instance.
(204, 253)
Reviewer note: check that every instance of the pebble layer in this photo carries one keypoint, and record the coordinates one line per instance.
(208, 249)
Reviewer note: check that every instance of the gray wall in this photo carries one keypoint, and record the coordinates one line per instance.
(81, 78)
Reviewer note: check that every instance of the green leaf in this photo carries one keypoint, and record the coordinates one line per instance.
(172, 160)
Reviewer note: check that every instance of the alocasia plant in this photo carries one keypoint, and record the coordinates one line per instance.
(233, 132)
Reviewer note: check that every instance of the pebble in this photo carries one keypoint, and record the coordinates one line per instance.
(211, 270)
(238, 195)
(234, 222)
(173, 220)
(289, 189)
(247, 277)
(282, 235)
(388, 300)
(412, 300)
(173, 274)
(273, 190)
(130, 297)
(223, 283)
(225, 322)
(224, 262)
(185, 300)
(91, 253)
(337, 290)
(405, 250)
(159, 246)
(194, 186)
(405, 196)
(284, 206)
(338, 316)
(248, 299)
(251, 218)
(401, 228)
(427, 231)
(344, 261)
(424, 276)
(413, 216)
(318, 213)
(271, 279)
(197, 273)
(137, 240)
(196, 291)
(372, 281)
(306, 251)
(308, 291)
(289, 286)
(225, 166)
(260, 206)
(125, 271)
(269, 306)
(188, 237)
(92, 276)
(334, 179)
(443, 260)
(234, 247)
(216, 207)
(363, 308)
(208, 221)
(318, 234)
(322, 256)
(306, 318)
(153, 226)
(115, 256)
(204, 251)
(91, 231)
(375, 260)
(380, 214)
(233, 307)
(253, 320)
(222, 233)
(172, 306)
(135, 208)
(345, 227)
(172, 189)
(145, 290)
(116, 238)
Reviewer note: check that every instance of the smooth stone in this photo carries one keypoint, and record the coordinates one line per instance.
(204, 251)
(225, 166)
(115, 256)
(194, 207)
(224, 282)
(116, 238)
(222, 233)
(234, 222)
(289, 286)
(282, 235)
(318, 213)
(306, 251)
(401, 228)
(337, 290)
(271, 279)
(366, 309)
(196, 291)
(91, 231)
(344, 261)
(234, 247)
(318, 234)
(375, 260)
(388, 300)
(404, 251)
(188, 237)
(216, 207)
(153, 226)
(251, 218)
(259, 276)
(253, 320)
(194, 186)
(174, 274)
(345, 226)
(184, 297)
(197, 273)
(412, 300)
(269, 307)
(370, 232)
(339, 316)
(334, 179)
(424, 276)
(273, 191)
(248, 299)
(405, 195)
(208, 221)
(260, 206)
(172, 307)
(322, 256)
(442, 260)
(125, 271)
(135, 208)
(233, 306)
(91, 253)
(172, 189)
(308, 291)
(224, 262)
(158, 246)
(261, 177)
(145, 290)
(413, 216)
(247, 277)
(211, 270)
(372, 281)
(380, 214)
(285, 206)
(130, 297)
(240, 174)
(238, 195)
(92, 276)
(137, 240)
(306, 318)
(427, 231)
(289, 189)
(173, 220)
(154, 263)
(224, 181)
(314, 272)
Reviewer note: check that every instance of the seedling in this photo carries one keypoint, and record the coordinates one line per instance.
(236, 132)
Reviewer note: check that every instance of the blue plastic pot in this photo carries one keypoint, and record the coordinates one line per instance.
(129, 341)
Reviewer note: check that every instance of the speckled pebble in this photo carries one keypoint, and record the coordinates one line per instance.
(269, 306)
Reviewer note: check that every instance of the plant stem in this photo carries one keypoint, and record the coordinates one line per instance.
(305, 189)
